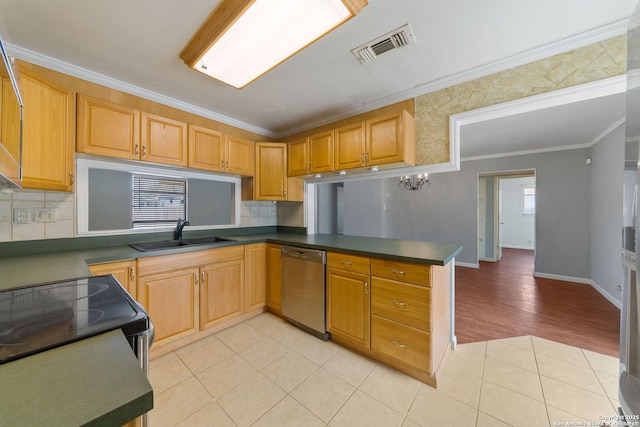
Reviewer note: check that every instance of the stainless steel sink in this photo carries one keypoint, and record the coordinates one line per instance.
(168, 244)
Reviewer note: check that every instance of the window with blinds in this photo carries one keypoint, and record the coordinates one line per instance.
(158, 201)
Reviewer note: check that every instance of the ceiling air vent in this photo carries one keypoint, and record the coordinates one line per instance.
(396, 39)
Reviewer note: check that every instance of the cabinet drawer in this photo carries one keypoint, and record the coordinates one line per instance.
(401, 342)
(403, 271)
(355, 263)
(402, 302)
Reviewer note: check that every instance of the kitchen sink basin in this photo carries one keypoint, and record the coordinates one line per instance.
(168, 244)
(205, 240)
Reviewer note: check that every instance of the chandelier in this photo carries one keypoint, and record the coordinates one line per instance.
(414, 182)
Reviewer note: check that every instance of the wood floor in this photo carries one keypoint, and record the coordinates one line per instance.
(503, 299)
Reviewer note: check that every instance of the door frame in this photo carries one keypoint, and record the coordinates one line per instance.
(498, 176)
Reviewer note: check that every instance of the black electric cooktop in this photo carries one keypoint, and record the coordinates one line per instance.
(40, 317)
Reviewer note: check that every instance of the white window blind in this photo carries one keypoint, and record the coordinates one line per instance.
(158, 201)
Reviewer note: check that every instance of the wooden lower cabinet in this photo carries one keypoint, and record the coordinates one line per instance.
(221, 292)
(191, 292)
(255, 276)
(397, 314)
(274, 278)
(349, 306)
(123, 271)
(172, 301)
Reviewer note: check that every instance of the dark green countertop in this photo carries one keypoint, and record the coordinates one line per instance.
(96, 381)
(51, 266)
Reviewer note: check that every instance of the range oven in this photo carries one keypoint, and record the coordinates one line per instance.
(43, 316)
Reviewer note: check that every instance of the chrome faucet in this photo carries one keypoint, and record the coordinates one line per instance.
(181, 224)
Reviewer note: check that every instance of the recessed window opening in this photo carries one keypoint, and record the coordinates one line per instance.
(529, 200)
(158, 201)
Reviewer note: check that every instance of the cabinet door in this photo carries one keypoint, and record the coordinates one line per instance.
(321, 152)
(163, 140)
(389, 139)
(270, 181)
(348, 306)
(171, 299)
(107, 129)
(221, 292)
(206, 149)
(239, 156)
(47, 147)
(123, 271)
(298, 157)
(274, 278)
(255, 287)
(349, 146)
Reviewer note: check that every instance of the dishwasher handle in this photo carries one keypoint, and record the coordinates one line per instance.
(310, 255)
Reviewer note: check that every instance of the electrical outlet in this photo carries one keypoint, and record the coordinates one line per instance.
(44, 214)
(21, 216)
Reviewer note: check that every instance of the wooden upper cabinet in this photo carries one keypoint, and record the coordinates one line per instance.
(206, 149)
(350, 146)
(321, 152)
(313, 154)
(298, 157)
(391, 139)
(270, 180)
(107, 129)
(47, 147)
(163, 140)
(214, 151)
(239, 155)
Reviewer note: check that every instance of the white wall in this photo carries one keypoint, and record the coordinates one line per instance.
(517, 228)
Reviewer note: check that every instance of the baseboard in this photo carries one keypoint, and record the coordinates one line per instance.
(529, 248)
(606, 294)
(467, 264)
(583, 281)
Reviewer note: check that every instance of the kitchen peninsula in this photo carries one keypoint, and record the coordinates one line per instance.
(402, 315)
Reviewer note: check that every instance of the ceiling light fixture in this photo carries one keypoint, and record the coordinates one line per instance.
(243, 39)
(414, 182)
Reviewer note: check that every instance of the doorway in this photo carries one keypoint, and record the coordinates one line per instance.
(506, 213)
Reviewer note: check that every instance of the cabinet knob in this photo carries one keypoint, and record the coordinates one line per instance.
(144, 151)
(366, 288)
(347, 262)
(132, 273)
(398, 303)
(204, 275)
(394, 271)
(195, 275)
(399, 345)
(366, 157)
(72, 178)
(136, 150)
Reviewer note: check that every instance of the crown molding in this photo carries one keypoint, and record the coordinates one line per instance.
(101, 79)
(605, 32)
(587, 38)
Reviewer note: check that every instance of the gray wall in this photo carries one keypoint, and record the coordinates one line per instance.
(447, 210)
(606, 211)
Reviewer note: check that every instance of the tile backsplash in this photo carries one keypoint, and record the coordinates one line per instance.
(61, 225)
(252, 214)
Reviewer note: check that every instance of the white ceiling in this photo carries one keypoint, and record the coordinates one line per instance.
(134, 46)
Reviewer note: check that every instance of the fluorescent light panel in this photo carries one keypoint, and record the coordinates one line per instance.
(266, 34)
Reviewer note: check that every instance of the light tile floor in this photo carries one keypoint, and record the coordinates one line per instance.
(266, 372)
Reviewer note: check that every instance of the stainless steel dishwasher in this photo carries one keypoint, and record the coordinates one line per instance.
(303, 289)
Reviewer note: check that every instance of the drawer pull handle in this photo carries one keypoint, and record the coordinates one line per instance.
(347, 262)
(398, 303)
(394, 271)
(397, 344)
(366, 288)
